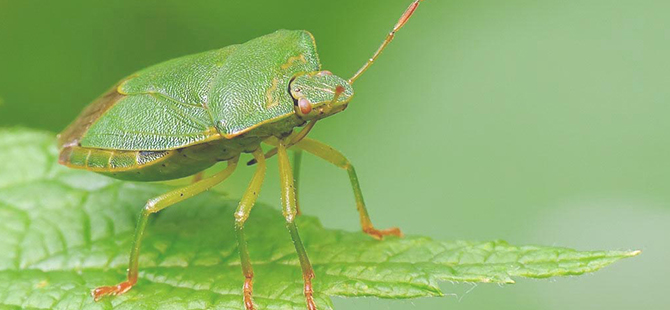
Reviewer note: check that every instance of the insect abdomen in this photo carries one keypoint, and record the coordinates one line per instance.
(138, 165)
(100, 160)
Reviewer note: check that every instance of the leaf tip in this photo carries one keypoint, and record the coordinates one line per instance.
(633, 253)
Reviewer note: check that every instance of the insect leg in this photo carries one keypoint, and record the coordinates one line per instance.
(297, 159)
(289, 210)
(154, 205)
(198, 176)
(241, 215)
(293, 138)
(336, 158)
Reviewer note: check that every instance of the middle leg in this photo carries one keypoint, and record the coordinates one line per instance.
(290, 211)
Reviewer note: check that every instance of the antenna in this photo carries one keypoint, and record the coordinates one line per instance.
(401, 22)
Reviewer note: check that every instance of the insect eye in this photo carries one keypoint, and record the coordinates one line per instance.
(305, 106)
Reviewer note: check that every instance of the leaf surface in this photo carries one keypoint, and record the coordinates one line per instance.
(64, 232)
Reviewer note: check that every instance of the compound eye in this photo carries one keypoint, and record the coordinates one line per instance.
(305, 106)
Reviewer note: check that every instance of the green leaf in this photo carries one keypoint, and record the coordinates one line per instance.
(64, 232)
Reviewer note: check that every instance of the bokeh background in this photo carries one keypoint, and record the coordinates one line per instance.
(537, 122)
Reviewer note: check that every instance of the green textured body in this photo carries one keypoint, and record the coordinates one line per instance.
(182, 116)
(179, 117)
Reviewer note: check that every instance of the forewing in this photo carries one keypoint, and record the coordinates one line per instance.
(196, 98)
(159, 108)
(150, 122)
(72, 135)
(186, 79)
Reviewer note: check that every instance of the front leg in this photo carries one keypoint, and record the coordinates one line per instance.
(336, 158)
(297, 160)
(290, 211)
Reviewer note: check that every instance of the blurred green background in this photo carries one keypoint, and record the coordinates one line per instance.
(537, 122)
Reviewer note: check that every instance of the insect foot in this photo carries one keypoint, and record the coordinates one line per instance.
(248, 288)
(379, 234)
(118, 289)
(309, 291)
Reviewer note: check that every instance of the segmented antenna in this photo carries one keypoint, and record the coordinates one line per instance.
(401, 22)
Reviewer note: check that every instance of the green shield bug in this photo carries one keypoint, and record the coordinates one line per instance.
(177, 118)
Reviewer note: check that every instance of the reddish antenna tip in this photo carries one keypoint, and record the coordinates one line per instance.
(405, 16)
(401, 22)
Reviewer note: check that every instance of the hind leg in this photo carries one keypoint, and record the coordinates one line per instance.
(154, 205)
